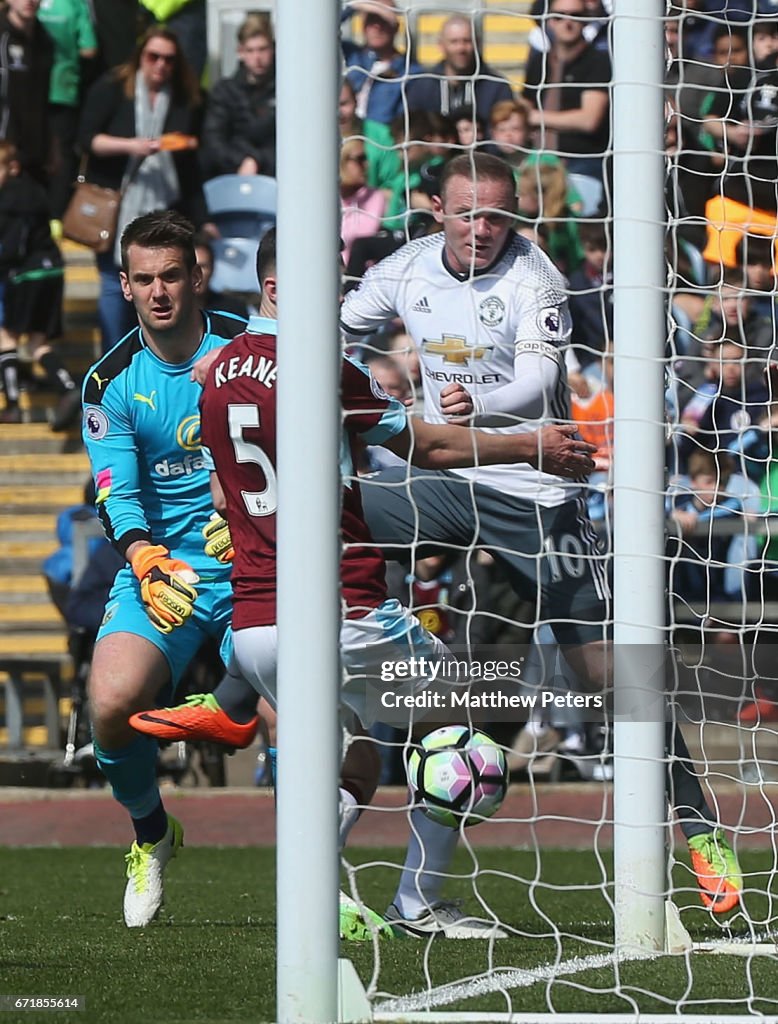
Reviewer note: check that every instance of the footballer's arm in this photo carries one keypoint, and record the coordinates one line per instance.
(529, 396)
(217, 495)
(444, 446)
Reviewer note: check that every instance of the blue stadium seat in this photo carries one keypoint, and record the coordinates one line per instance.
(241, 205)
(235, 265)
(590, 190)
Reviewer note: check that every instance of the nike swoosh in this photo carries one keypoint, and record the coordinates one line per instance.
(164, 721)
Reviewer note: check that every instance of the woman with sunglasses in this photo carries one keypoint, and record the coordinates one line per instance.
(362, 207)
(131, 116)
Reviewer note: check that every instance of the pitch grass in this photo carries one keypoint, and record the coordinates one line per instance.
(211, 955)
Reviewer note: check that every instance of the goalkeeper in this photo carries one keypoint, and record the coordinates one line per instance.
(141, 428)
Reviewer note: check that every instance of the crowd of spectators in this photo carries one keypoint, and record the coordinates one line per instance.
(105, 82)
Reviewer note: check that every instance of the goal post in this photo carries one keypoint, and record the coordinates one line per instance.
(638, 495)
(308, 432)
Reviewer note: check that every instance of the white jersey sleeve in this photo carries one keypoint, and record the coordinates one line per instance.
(537, 369)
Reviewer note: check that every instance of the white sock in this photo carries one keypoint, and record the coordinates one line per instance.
(432, 846)
(349, 812)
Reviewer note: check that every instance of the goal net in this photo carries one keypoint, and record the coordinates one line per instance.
(636, 843)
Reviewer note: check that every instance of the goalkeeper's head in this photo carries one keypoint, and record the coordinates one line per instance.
(266, 274)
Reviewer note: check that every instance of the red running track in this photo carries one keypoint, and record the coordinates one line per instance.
(572, 815)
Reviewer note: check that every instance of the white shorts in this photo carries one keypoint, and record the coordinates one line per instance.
(389, 633)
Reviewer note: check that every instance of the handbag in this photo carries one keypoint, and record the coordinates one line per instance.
(92, 215)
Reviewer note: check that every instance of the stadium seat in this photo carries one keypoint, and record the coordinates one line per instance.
(241, 205)
(235, 265)
(590, 190)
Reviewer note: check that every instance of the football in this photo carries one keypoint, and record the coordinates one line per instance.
(458, 776)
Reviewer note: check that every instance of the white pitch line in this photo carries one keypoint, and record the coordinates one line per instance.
(507, 978)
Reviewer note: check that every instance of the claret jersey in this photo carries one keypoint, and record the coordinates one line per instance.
(469, 329)
(141, 428)
(238, 408)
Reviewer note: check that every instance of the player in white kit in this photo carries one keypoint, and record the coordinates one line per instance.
(488, 312)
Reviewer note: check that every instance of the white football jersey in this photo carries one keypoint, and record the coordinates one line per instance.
(469, 329)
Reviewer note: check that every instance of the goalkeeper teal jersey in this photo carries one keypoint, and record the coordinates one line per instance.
(141, 428)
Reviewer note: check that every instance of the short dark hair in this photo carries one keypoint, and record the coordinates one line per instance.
(753, 249)
(730, 31)
(478, 166)
(767, 28)
(266, 255)
(202, 241)
(162, 229)
(594, 234)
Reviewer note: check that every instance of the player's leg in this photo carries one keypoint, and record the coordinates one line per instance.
(392, 634)
(254, 657)
(407, 506)
(579, 565)
(359, 774)
(574, 594)
(132, 664)
(127, 673)
(228, 715)
(713, 860)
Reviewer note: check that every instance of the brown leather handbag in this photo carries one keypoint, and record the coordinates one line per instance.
(92, 215)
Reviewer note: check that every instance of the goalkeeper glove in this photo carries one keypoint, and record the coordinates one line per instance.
(218, 542)
(165, 587)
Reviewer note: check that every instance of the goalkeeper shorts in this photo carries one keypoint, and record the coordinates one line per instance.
(126, 613)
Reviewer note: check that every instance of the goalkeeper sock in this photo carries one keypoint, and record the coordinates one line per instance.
(152, 827)
(685, 792)
(349, 812)
(431, 847)
(132, 772)
(237, 698)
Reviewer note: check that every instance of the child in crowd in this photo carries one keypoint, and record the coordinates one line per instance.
(756, 255)
(470, 129)
(701, 559)
(591, 294)
(734, 318)
(509, 130)
(32, 283)
(431, 139)
(544, 197)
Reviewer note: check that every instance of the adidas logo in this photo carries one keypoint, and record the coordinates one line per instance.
(422, 306)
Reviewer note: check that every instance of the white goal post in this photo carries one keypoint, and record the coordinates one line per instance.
(638, 458)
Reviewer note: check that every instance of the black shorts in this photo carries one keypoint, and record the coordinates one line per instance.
(34, 305)
(552, 555)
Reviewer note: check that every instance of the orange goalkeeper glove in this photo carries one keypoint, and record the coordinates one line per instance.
(165, 587)
(218, 542)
